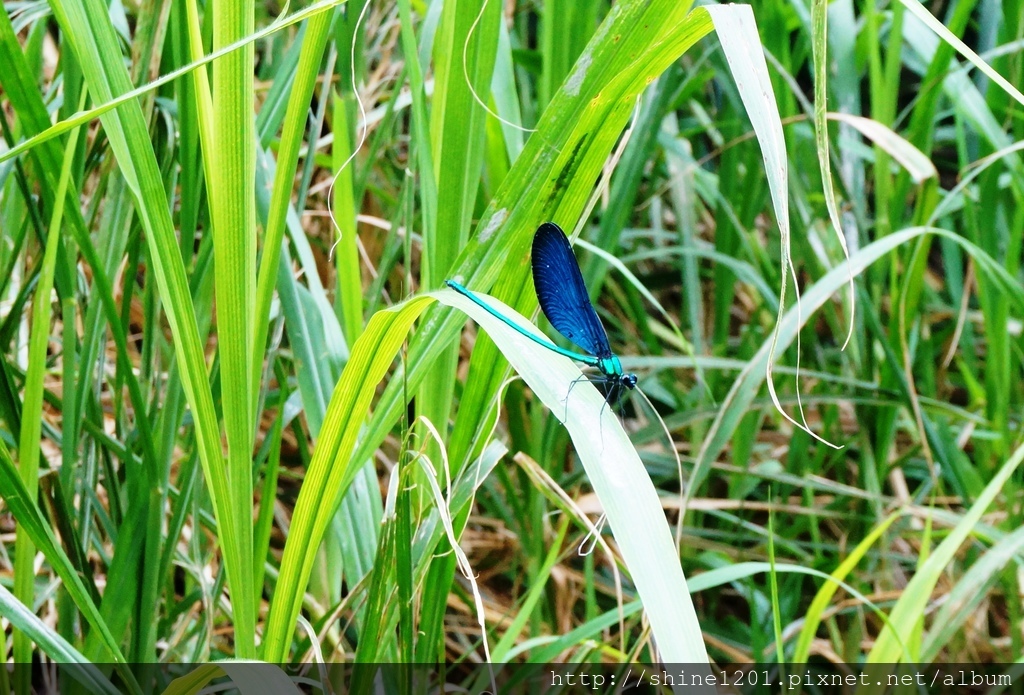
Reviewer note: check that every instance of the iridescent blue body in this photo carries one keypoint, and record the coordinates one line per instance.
(565, 302)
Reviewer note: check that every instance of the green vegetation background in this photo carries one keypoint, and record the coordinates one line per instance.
(217, 323)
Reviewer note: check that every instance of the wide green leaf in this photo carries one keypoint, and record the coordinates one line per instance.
(613, 468)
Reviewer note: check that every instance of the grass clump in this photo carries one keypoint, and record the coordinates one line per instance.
(235, 401)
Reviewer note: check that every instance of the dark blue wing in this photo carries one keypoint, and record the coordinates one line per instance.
(562, 294)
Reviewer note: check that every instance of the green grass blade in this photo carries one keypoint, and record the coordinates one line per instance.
(464, 63)
(464, 56)
(737, 31)
(55, 647)
(114, 101)
(552, 180)
(819, 20)
(904, 617)
(32, 412)
(333, 468)
(231, 173)
(919, 11)
(420, 128)
(613, 467)
(747, 384)
(968, 594)
(87, 26)
(21, 503)
(314, 42)
(812, 617)
(348, 265)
